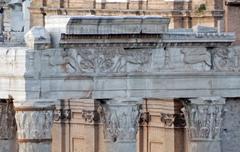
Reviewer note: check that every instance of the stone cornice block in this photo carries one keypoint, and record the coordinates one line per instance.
(90, 25)
(38, 38)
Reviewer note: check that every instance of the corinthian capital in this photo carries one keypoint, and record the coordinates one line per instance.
(204, 117)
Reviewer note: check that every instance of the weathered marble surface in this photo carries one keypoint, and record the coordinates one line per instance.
(120, 118)
(34, 122)
(117, 71)
(230, 131)
(8, 145)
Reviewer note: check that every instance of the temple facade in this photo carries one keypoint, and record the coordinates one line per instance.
(113, 76)
(112, 84)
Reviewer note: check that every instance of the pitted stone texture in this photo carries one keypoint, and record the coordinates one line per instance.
(231, 126)
(38, 38)
(7, 145)
(34, 147)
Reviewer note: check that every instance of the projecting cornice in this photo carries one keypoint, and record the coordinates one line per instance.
(233, 2)
(137, 32)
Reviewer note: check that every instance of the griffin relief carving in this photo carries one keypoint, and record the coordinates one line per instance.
(95, 60)
(195, 56)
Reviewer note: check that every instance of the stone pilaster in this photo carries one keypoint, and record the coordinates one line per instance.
(204, 122)
(7, 126)
(120, 119)
(161, 126)
(77, 126)
(34, 123)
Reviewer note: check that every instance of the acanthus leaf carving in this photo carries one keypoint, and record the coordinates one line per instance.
(120, 124)
(204, 119)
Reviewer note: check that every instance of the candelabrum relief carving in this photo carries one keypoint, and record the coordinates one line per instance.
(92, 60)
(204, 117)
(120, 60)
(227, 59)
(120, 120)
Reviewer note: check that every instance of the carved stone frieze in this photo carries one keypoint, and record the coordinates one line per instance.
(120, 121)
(99, 60)
(121, 60)
(204, 117)
(194, 56)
